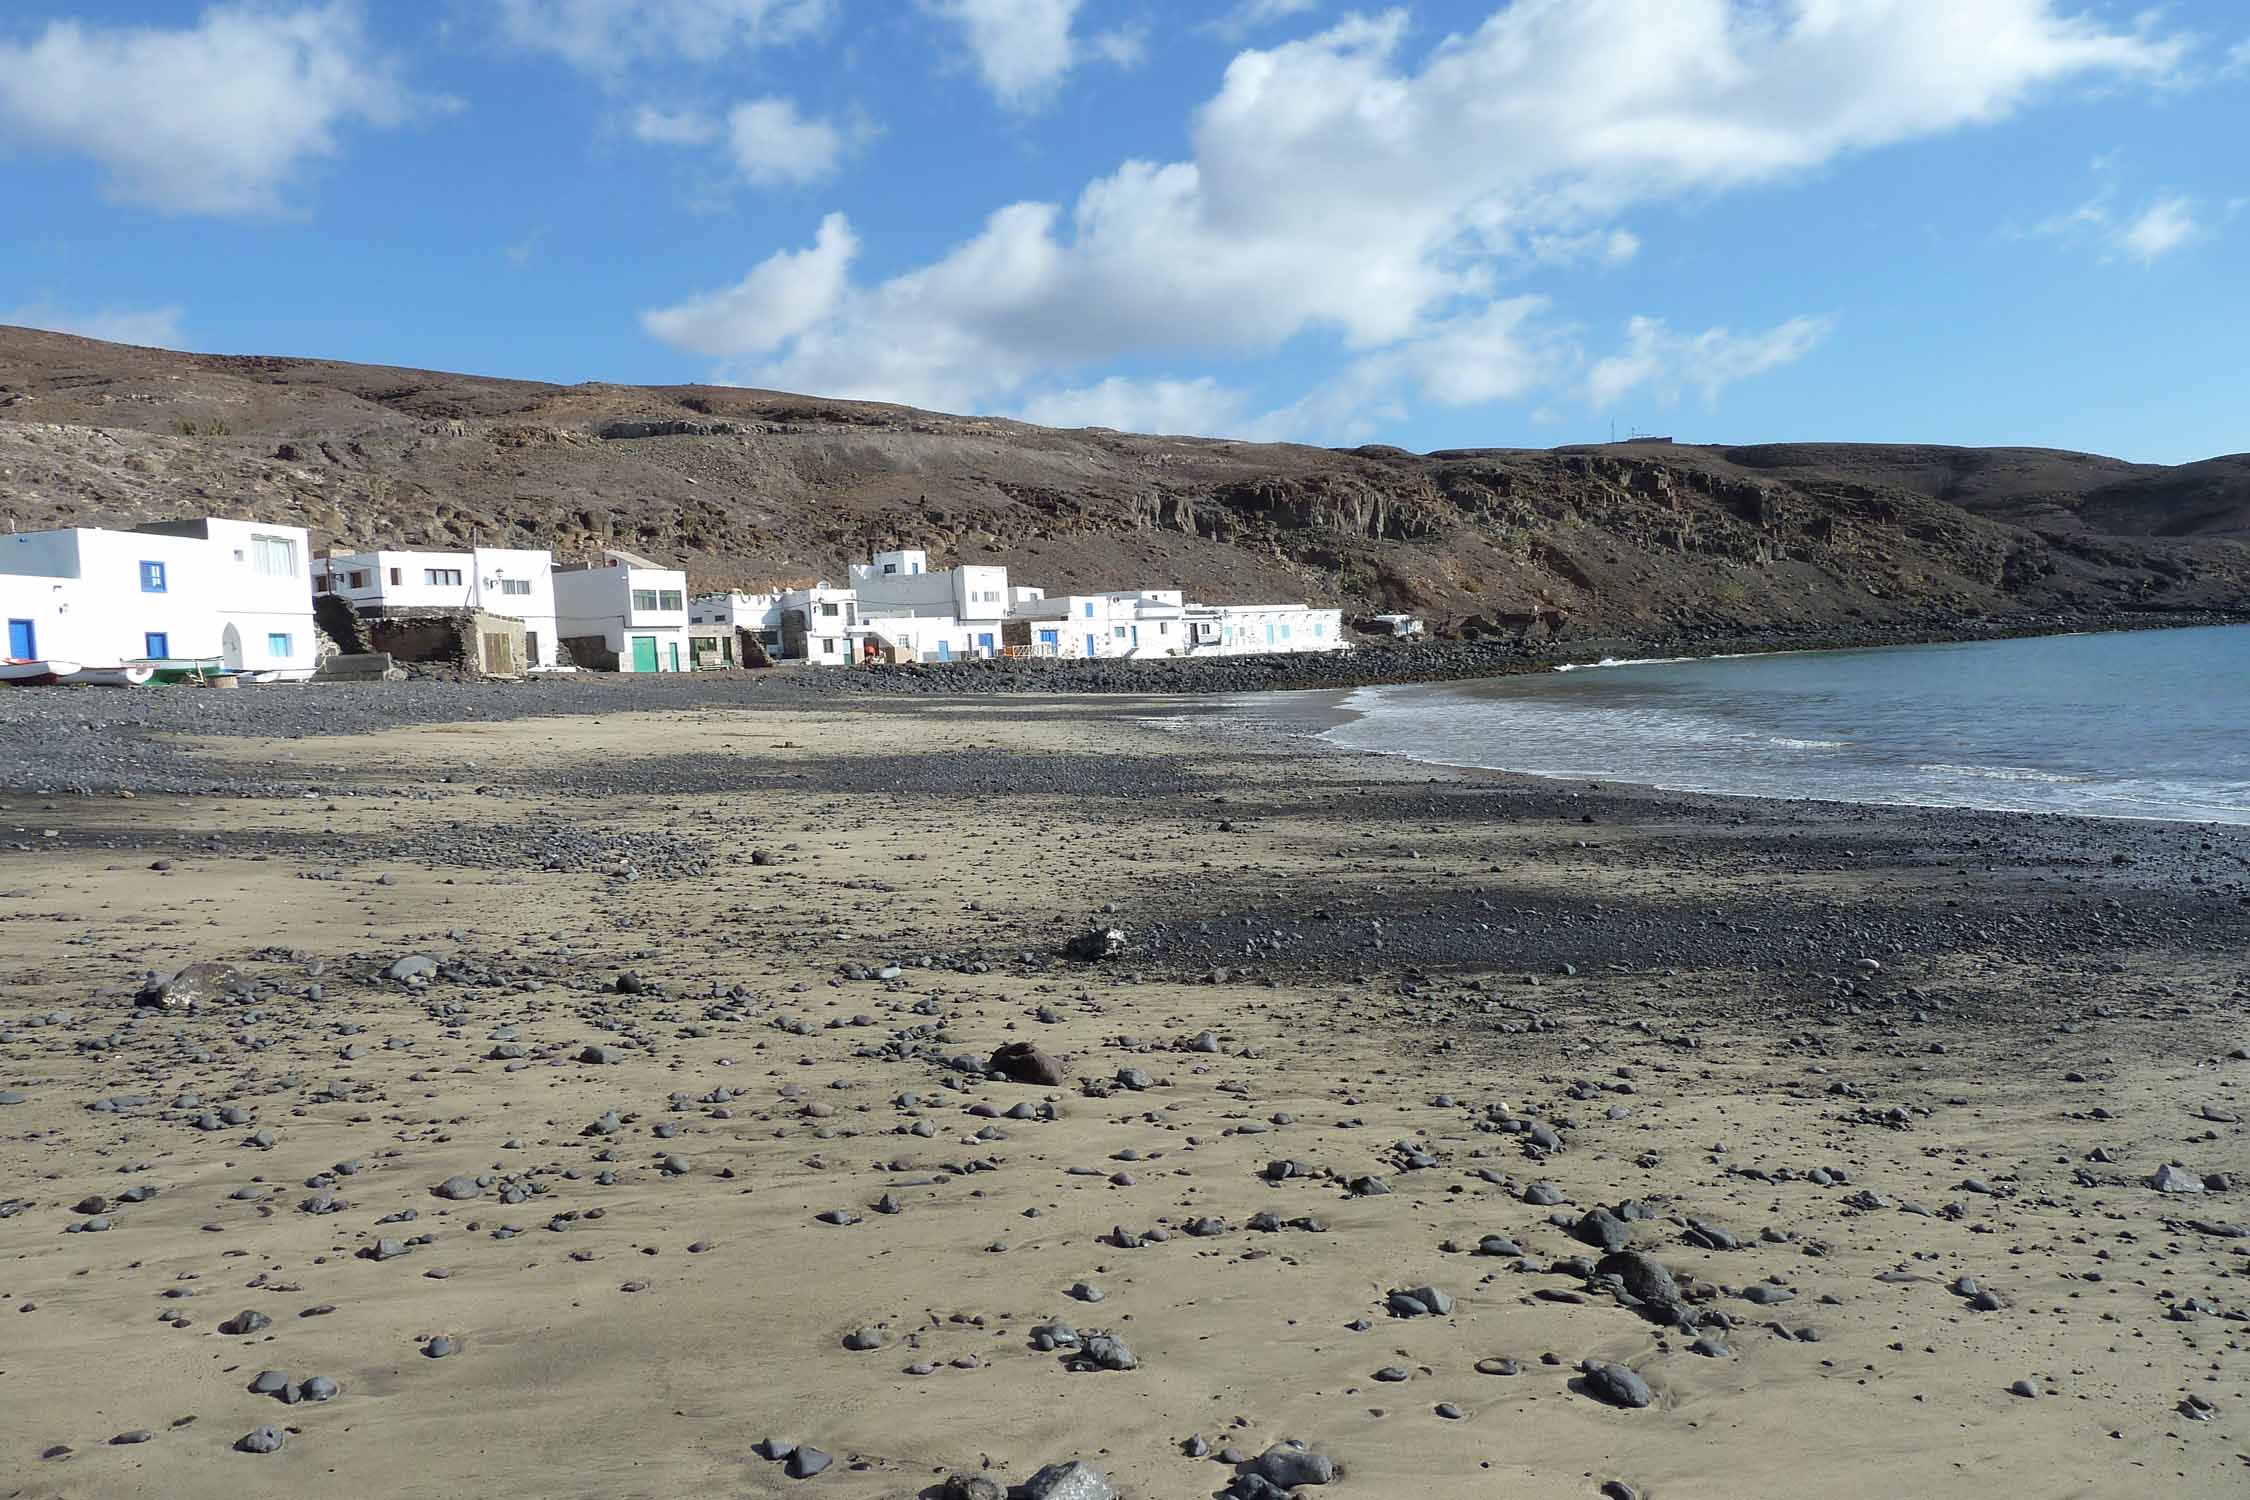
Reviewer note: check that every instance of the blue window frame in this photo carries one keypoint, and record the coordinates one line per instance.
(152, 578)
(1089, 611)
(279, 644)
(156, 643)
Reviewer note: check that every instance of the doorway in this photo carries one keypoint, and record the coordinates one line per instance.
(23, 640)
(644, 653)
(230, 648)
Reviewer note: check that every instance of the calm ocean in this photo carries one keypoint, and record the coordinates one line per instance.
(2140, 724)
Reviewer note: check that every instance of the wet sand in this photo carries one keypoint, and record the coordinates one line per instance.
(1875, 1051)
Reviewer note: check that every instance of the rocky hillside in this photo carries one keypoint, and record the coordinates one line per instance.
(749, 487)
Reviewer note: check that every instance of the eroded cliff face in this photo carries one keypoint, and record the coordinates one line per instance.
(752, 488)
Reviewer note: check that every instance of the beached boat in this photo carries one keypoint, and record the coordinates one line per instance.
(168, 669)
(130, 675)
(20, 673)
(277, 674)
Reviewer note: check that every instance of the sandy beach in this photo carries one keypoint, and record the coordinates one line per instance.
(597, 1104)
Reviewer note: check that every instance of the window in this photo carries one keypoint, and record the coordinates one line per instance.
(1120, 632)
(828, 611)
(1163, 627)
(644, 598)
(279, 644)
(442, 577)
(1089, 611)
(828, 646)
(890, 567)
(671, 599)
(357, 578)
(394, 575)
(152, 578)
(515, 585)
(274, 556)
(1319, 630)
(156, 644)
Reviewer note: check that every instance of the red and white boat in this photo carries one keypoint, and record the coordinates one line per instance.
(19, 672)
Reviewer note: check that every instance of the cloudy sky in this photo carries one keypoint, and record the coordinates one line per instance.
(1436, 223)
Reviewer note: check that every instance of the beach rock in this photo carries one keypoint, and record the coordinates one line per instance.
(1095, 946)
(1615, 1384)
(1288, 1465)
(1075, 1480)
(260, 1440)
(197, 984)
(1021, 1062)
(2175, 1179)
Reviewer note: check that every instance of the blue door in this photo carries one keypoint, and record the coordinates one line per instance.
(1269, 632)
(1136, 637)
(23, 641)
(1051, 638)
(945, 651)
(1089, 645)
(156, 643)
(984, 643)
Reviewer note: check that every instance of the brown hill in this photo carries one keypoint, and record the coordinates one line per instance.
(748, 487)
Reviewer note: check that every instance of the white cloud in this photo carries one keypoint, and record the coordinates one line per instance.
(219, 119)
(1250, 15)
(1708, 362)
(784, 296)
(769, 141)
(772, 143)
(156, 327)
(2238, 60)
(2145, 235)
(606, 37)
(674, 127)
(1023, 49)
(1340, 188)
(1199, 407)
(2159, 229)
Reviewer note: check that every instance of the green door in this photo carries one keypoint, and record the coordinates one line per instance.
(675, 645)
(644, 653)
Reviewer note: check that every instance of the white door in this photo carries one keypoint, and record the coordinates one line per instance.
(230, 647)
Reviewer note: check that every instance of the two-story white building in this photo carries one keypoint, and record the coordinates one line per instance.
(239, 592)
(757, 614)
(902, 585)
(820, 624)
(1136, 622)
(623, 614)
(512, 581)
(1260, 629)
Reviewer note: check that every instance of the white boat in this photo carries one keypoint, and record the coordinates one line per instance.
(169, 669)
(18, 672)
(129, 675)
(277, 674)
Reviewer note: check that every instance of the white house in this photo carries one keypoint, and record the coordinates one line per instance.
(623, 613)
(512, 581)
(759, 614)
(820, 624)
(1139, 622)
(1257, 629)
(901, 584)
(238, 591)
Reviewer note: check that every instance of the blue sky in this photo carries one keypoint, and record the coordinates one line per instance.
(1436, 224)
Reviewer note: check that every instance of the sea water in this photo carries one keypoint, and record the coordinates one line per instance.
(2141, 724)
